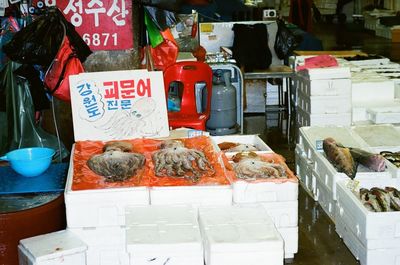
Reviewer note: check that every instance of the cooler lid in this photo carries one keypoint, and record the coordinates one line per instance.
(53, 245)
(118, 105)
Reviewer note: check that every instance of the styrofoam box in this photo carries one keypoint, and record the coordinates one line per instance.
(305, 118)
(165, 214)
(310, 137)
(387, 256)
(192, 195)
(251, 139)
(324, 104)
(304, 167)
(164, 244)
(326, 73)
(248, 192)
(325, 198)
(372, 91)
(325, 87)
(367, 225)
(329, 175)
(379, 137)
(106, 245)
(384, 115)
(283, 214)
(290, 236)
(102, 207)
(359, 114)
(62, 247)
(379, 61)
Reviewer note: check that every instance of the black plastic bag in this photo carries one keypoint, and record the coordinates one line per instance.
(250, 46)
(38, 43)
(285, 41)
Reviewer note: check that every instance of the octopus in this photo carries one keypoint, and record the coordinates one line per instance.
(250, 166)
(117, 162)
(175, 160)
(236, 147)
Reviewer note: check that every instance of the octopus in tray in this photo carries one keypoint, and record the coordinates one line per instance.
(117, 162)
(175, 160)
(250, 166)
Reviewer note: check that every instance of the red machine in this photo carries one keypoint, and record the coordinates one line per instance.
(188, 89)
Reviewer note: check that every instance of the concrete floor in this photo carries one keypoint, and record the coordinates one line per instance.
(318, 241)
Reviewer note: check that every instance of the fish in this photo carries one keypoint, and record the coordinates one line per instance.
(382, 197)
(375, 162)
(340, 157)
(394, 198)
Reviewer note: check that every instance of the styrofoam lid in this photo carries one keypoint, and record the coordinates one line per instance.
(327, 73)
(53, 245)
(379, 135)
(221, 215)
(173, 215)
(163, 238)
(243, 238)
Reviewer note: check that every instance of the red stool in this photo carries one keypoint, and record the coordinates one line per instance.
(190, 84)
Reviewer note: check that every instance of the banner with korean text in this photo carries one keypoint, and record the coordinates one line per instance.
(118, 105)
(103, 24)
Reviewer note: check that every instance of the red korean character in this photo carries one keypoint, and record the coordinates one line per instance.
(127, 88)
(111, 89)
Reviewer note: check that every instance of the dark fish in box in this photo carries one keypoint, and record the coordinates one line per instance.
(340, 157)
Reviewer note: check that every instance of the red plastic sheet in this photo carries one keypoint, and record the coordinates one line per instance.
(84, 178)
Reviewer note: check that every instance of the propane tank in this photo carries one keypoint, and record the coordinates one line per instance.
(223, 105)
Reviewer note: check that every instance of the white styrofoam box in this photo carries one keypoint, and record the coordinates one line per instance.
(237, 244)
(251, 139)
(283, 214)
(102, 207)
(379, 137)
(62, 247)
(384, 115)
(324, 104)
(290, 236)
(325, 87)
(163, 243)
(377, 61)
(165, 214)
(305, 118)
(326, 73)
(106, 245)
(325, 198)
(367, 90)
(387, 256)
(193, 195)
(311, 138)
(329, 175)
(248, 192)
(367, 225)
(359, 114)
(304, 168)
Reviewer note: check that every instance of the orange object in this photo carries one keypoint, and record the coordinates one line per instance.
(85, 179)
(195, 79)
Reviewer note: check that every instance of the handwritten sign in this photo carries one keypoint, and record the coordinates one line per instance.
(118, 105)
(102, 24)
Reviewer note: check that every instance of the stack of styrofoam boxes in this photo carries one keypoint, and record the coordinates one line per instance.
(234, 235)
(304, 171)
(280, 200)
(311, 138)
(58, 248)
(163, 235)
(324, 97)
(97, 217)
(371, 18)
(381, 138)
(372, 237)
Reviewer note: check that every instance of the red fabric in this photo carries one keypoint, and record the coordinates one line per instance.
(65, 63)
(166, 53)
(319, 61)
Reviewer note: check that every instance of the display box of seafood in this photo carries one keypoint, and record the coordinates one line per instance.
(325, 195)
(368, 219)
(163, 235)
(240, 235)
(304, 171)
(383, 139)
(62, 247)
(232, 144)
(261, 178)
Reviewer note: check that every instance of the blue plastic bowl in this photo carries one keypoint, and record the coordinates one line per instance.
(30, 162)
